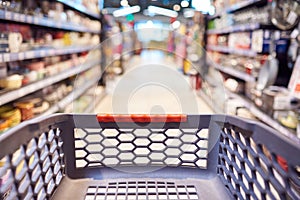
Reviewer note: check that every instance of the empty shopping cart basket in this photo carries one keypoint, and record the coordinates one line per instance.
(157, 157)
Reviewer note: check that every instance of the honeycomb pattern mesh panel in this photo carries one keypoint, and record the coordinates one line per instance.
(142, 190)
(34, 170)
(141, 147)
(250, 171)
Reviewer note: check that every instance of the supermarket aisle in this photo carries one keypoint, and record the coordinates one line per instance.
(152, 84)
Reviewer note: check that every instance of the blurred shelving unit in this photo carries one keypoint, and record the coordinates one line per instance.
(82, 68)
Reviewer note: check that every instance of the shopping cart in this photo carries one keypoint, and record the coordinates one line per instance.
(147, 157)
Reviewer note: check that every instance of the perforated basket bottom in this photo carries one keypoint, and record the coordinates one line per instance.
(147, 189)
(142, 190)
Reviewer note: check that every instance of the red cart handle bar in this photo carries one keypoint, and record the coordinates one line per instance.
(141, 118)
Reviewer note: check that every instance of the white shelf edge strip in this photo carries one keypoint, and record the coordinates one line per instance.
(236, 73)
(235, 28)
(225, 49)
(43, 21)
(8, 57)
(18, 93)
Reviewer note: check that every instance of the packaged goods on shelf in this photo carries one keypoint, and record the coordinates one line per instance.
(11, 114)
(261, 40)
(26, 109)
(239, 41)
(257, 15)
(11, 82)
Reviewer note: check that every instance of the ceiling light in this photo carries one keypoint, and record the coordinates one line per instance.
(162, 11)
(124, 3)
(184, 4)
(126, 11)
(176, 7)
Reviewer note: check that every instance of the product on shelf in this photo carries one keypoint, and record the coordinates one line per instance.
(10, 42)
(222, 22)
(11, 82)
(54, 93)
(277, 99)
(11, 114)
(26, 109)
(253, 15)
(4, 125)
(290, 120)
(240, 40)
(39, 105)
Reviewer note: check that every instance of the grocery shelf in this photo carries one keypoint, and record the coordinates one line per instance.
(234, 72)
(225, 49)
(80, 8)
(43, 52)
(18, 93)
(261, 115)
(238, 6)
(43, 21)
(70, 97)
(243, 4)
(238, 28)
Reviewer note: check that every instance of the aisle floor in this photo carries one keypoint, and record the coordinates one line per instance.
(152, 84)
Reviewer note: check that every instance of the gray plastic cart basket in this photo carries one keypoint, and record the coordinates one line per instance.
(147, 157)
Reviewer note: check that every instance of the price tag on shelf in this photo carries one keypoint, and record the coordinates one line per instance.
(32, 88)
(22, 18)
(59, 25)
(29, 54)
(60, 51)
(8, 15)
(292, 17)
(243, 27)
(52, 52)
(47, 82)
(40, 84)
(42, 53)
(230, 29)
(21, 92)
(16, 17)
(6, 57)
(29, 19)
(254, 26)
(36, 20)
(21, 56)
(50, 23)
